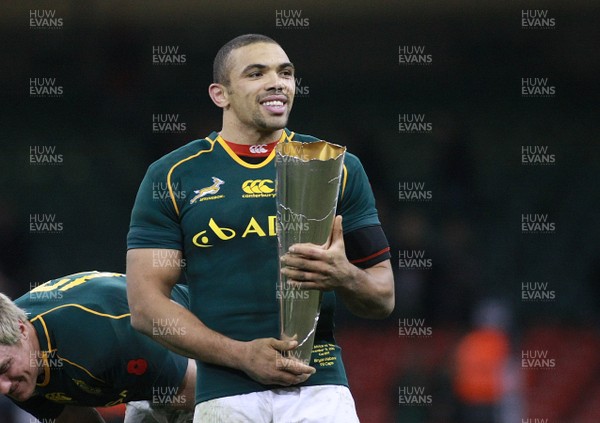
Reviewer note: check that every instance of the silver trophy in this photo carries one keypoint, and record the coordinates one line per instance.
(307, 186)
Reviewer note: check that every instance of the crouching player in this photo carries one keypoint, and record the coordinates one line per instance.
(67, 346)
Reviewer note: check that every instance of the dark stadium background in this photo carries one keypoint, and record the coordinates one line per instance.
(347, 56)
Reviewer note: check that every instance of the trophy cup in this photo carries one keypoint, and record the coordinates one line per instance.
(307, 186)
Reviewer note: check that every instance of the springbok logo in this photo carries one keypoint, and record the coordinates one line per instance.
(211, 190)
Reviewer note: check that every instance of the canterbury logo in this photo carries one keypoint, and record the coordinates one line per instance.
(211, 190)
(260, 148)
(257, 186)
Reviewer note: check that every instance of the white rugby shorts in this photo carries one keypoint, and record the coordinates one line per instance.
(306, 404)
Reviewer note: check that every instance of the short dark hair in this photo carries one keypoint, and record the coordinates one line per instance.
(220, 68)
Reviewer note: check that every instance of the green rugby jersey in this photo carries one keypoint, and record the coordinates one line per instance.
(90, 353)
(219, 210)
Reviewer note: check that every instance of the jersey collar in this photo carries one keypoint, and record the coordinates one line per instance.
(45, 347)
(286, 135)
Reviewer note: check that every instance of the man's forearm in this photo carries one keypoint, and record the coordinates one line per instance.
(154, 314)
(370, 292)
(260, 358)
(179, 330)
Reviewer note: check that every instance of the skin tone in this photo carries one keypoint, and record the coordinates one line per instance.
(259, 97)
(256, 104)
(17, 376)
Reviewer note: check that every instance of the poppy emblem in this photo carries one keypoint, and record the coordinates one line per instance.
(137, 367)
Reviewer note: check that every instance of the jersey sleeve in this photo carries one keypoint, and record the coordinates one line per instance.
(154, 220)
(366, 244)
(356, 203)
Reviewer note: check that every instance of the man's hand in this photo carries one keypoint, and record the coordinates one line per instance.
(264, 362)
(367, 292)
(310, 266)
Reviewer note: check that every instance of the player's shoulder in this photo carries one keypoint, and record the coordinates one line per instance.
(93, 292)
(191, 149)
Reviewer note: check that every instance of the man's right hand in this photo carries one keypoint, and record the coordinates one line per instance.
(264, 363)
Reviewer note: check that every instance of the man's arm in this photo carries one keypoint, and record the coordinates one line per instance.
(148, 292)
(367, 292)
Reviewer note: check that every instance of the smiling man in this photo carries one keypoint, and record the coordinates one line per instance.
(227, 240)
(67, 346)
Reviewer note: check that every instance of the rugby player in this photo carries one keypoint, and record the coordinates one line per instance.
(219, 216)
(67, 346)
